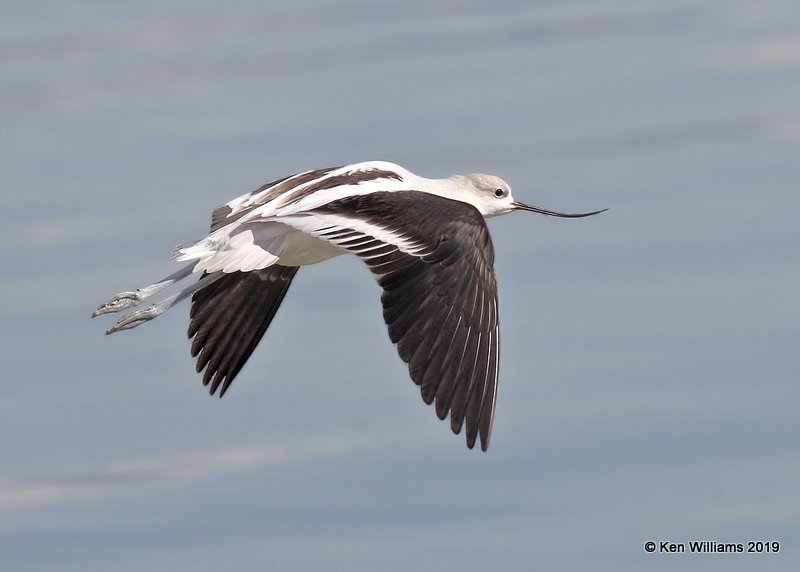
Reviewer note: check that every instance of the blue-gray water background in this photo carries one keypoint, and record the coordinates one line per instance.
(649, 374)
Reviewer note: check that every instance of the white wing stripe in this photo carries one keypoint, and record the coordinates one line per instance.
(263, 203)
(319, 225)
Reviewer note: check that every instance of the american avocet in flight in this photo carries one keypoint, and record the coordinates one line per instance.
(425, 240)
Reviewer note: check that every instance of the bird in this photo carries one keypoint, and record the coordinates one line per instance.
(425, 241)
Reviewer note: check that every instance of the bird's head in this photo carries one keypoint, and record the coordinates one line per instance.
(492, 197)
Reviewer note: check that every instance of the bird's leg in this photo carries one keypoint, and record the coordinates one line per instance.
(142, 315)
(127, 299)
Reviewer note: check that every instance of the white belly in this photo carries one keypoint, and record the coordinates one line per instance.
(253, 246)
(304, 249)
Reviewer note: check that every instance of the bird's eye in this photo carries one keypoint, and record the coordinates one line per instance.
(499, 193)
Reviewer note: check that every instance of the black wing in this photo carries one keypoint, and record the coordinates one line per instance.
(229, 317)
(439, 298)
